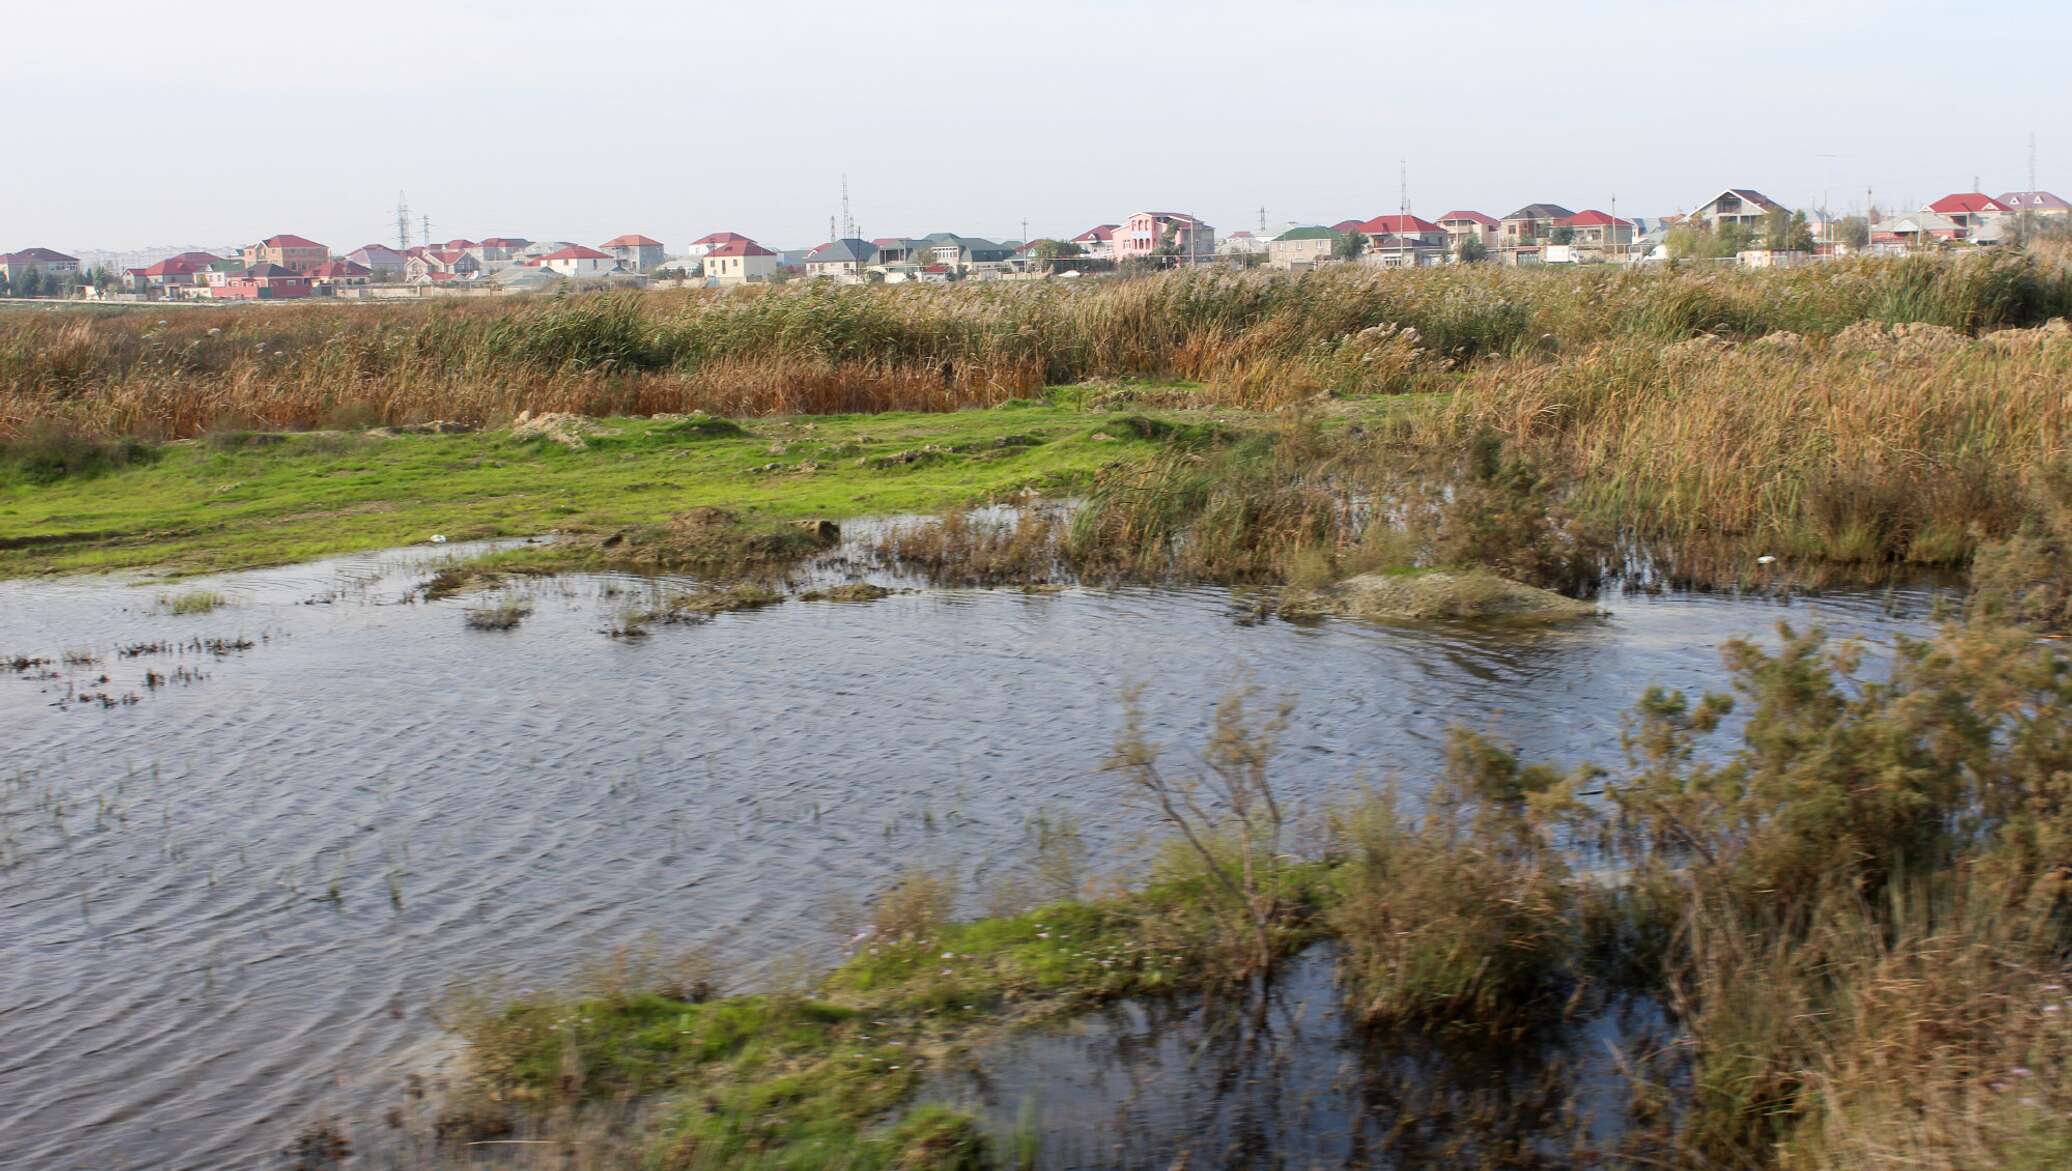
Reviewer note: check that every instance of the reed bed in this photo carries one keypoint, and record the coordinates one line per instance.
(1257, 339)
(1873, 446)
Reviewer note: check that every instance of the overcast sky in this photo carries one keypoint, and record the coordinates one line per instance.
(131, 122)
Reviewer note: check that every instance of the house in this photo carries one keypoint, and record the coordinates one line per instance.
(441, 260)
(262, 282)
(1147, 233)
(1342, 227)
(1242, 243)
(1470, 225)
(2036, 203)
(380, 259)
(295, 253)
(1392, 251)
(707, 244)
(1301, 249)
(740, 261)
(842, 259)
(498, 250)
(1741, 207)
(1530, 226)
(576, 260)
(634, 252)
(1907, 233)
(524, 278)
(45, 262)
(1098, 242)
(332, 275)
(959, 253)
(174, 272)
(1593, 229)
(1404, 228)
(1969, 210)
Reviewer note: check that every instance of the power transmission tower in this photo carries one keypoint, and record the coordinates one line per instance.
(848, 224)
(1262, 219)
(428, 231)
(402, 222)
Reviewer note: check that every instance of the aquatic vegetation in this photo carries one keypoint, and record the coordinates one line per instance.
(192, 602)
(504, 615)
(1856, 918)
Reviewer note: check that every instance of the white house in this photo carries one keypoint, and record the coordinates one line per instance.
(739, 262)
(576, 260)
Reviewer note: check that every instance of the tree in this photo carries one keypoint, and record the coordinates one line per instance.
(1785, 231)
(30, 284)
(1855, 231)
(4, 290)
(1055, 250)
(1469, 249)
(1562, 234)
(1348, 246)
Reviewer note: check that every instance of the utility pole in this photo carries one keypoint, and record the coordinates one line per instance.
(402, 222)
(1262, 209)
(1402, 204)
(2029, 204)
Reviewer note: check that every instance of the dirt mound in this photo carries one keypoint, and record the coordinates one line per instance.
(1435, 596)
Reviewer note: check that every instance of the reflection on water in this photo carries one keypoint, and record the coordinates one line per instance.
(1281, 1078)
(229, 906)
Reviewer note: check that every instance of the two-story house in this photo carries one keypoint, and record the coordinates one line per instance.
(635, 252)
(1177, 236)
(294, 253)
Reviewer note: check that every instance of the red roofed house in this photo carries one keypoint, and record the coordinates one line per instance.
(1406, 227)
(294, 253)
(576, 260)
(262, 282)
(1098, 241)
(635, 252)
(740, 261)
(173, 272)
(1969, 210)
(1591, 228)
(1344, 226)
(705, 245)
(440, 260)
(332, 275)
(497, 249)
(1464, 225)
(1143, 234)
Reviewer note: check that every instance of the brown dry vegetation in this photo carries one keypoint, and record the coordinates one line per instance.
(1254, 338)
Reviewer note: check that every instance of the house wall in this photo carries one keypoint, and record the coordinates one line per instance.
(736, 270)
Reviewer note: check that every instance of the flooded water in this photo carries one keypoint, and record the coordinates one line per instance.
(1280, 1077)
(239, 866)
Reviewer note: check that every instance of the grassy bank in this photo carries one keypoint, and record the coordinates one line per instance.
(1859, 921)
(1252, 339)
(243, 499)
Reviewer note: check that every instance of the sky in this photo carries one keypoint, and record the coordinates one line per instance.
(135, 123)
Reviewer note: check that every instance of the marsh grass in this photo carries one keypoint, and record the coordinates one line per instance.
(192, 602)
(504, 615)
(1257, 339)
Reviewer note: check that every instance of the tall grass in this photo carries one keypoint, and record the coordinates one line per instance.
(1259, 338)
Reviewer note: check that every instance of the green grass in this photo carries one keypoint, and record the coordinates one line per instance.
(210, 506)
(197, 508)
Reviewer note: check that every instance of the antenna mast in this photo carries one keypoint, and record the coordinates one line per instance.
(1402, 203)
(402, 222)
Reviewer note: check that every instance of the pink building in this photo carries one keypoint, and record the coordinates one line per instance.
(1141, 235)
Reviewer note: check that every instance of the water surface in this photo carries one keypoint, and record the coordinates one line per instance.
(229, 903)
